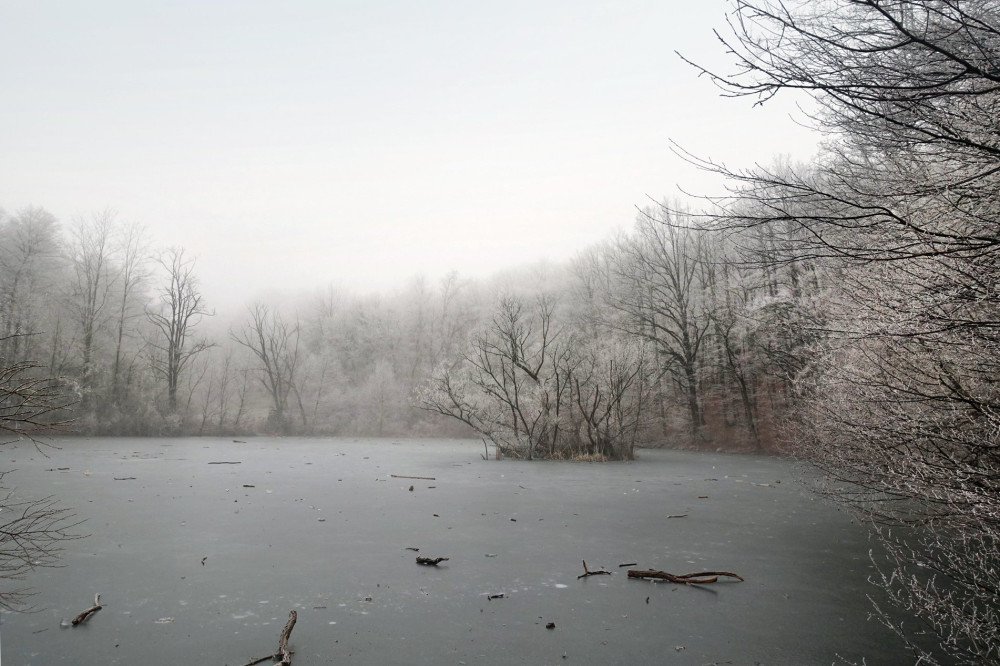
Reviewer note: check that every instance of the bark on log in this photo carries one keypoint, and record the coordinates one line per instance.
(286, 655)
(82, 617)
(283, 653)
(697, 578)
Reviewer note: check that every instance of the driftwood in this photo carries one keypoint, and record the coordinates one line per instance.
(431, 561)
(283, 653)
(422, 478)
(698, 578)
(82, 617)
(588, 572)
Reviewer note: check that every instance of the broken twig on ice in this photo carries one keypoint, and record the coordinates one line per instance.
(422, 478)
(82, 617)
(283, 653)
(588, 572)
(698, 578)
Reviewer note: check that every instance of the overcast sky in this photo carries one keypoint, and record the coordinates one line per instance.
(298, 144)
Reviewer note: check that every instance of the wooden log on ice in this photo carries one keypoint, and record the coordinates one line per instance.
(697, 578)
(431, 561)
(85, 615)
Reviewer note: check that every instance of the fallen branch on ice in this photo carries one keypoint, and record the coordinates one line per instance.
(82, 617)
(283, 653)
(588, 572)
(431, 561)
(698, 578)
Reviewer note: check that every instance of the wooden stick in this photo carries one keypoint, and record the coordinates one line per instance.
(422, 478)
(283, 653)
(286, 656)
(698, 578)
(588, 572)
(431, 561)
(82, 617)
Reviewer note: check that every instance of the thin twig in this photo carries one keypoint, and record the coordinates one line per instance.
(588, 572)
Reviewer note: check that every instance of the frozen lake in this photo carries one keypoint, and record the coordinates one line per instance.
(201, 563)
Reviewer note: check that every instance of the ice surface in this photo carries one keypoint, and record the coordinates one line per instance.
(206, 560)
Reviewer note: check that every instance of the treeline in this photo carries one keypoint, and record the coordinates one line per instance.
(657, 337)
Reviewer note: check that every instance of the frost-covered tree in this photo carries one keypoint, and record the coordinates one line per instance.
(660, 298)
(274, 343)
(30, 275)
(179, 308)
(900, 403)
(535, 389)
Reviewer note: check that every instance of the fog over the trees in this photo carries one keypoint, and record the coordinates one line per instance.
(362, 144)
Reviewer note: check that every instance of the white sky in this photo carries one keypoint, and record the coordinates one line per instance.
(360, 143)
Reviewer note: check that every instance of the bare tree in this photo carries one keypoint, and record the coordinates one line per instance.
(133, 274)
(179, 310)
(508, 386)
(29, 270)
(275, 344)
(609, 391)
(535, 390)
(93, 276)
(660, 300)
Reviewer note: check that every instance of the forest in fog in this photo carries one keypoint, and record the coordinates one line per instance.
(662, 335)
